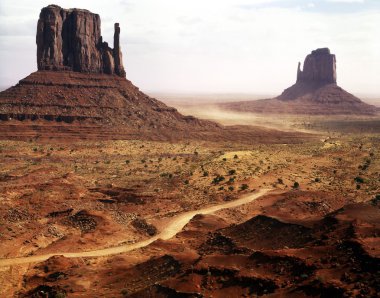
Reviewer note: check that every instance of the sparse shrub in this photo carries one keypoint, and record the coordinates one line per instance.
(231, 188)
(359, 179)
(317, 180)
(376, 200)
(231, 172)
(221, 188)
(205, 174)
(280, 181)
(186, 182)
(127, 161)
(169, 175)
(224, 159)
(296, 185)
(143, 161)
(231, 180)
(124, 292)
(196, 153)
(35, 149)
(244, 186)
(218, 179)
(358, 186)
(235, 156)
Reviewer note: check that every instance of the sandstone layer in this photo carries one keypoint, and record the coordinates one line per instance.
(68, 105)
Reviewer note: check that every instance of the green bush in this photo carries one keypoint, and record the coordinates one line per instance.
(244, 186)
(218, 179)
(359, 179)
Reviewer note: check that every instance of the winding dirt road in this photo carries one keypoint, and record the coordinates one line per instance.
(175, 226)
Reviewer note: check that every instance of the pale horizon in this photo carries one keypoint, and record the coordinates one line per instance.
(215, 47)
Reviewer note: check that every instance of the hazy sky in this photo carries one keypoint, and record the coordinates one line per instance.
(244, 46)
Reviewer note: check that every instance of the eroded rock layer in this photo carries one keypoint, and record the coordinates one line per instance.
(73, 105)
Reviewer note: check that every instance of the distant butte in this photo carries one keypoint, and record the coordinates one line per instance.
(315, 92)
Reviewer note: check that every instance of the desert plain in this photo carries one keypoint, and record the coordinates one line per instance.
(313, 224)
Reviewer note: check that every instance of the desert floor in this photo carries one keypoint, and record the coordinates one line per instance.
(73, 197)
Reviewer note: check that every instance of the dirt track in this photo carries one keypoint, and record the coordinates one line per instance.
(171, 230)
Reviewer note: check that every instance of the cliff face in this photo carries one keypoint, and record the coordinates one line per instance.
(319, 67)
(70, 39)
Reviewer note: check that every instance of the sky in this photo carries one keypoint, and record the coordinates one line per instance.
(214, 46)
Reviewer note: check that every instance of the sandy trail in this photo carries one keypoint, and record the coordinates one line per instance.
(175, 226)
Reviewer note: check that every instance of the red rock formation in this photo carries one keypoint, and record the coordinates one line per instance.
(70, 39)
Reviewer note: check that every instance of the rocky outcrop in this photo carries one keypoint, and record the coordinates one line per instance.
(70, 39)
(319, 67)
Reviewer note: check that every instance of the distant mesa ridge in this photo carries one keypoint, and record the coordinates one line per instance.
(70, 39)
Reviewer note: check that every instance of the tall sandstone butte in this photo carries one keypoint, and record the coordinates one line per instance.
(70, 39)
(319, 66)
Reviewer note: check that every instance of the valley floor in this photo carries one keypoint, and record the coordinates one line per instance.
(317, 231)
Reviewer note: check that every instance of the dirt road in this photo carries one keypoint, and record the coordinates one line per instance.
(175, 226)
